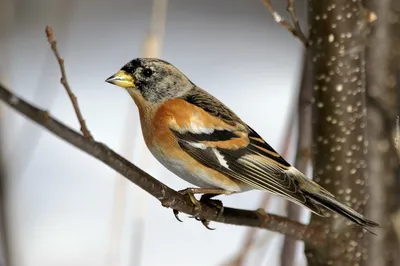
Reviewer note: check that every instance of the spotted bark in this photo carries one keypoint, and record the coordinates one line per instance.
(383, 48)
(337, 39)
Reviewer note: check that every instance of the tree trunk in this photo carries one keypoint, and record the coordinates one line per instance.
(339, 125)
(383, 162)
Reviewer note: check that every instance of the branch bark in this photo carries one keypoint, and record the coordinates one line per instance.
(167, 196)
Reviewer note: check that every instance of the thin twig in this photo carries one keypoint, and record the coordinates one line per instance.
(296, 29)
(167, 196)
(24, 148)
(295, 20)
(64, 82)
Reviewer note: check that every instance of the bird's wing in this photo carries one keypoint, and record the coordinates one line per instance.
(234, 149)
(212, 106)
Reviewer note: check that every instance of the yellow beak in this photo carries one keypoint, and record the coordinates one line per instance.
(122, 79)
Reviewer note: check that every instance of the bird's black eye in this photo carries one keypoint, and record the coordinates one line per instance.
(147, 72)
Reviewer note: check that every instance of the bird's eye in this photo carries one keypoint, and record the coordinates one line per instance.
(147, 72)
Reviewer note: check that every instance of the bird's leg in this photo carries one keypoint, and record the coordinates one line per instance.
(190, 193)
(208, 193)
(206, 198)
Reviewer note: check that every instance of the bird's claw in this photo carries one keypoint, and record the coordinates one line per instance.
(193, 199)
(217, 203)
(205, 222)
(176, 214)
(197, 205)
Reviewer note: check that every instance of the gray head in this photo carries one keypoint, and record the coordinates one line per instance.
(156, 80)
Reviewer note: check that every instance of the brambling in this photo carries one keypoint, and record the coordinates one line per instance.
(199, 139)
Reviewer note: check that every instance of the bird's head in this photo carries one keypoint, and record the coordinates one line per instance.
(153, 79)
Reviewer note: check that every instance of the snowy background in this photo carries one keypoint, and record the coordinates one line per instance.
(69, 209)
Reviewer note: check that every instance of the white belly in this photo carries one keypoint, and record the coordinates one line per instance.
(198, 178)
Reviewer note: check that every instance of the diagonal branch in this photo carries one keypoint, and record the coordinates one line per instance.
(64, 82)
(295, 29)
(167, 196)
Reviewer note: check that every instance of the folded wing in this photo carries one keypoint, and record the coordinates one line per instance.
(236, 150)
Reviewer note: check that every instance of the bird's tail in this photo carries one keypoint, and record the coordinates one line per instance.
(328, 201)
(317, 195)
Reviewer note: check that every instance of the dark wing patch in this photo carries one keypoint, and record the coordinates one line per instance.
(216, 135)
(206, 156)
(263, 173)
(258, 146)
(250, 165)
(211, 105)
(256, 174)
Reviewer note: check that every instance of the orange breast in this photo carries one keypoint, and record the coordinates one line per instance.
(161, 141)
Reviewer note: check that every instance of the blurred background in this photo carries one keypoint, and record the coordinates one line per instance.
(66, 208)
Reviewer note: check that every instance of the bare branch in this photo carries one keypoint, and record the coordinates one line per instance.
(167, 196)
(292, 11)
(296, 29)
(64, 82)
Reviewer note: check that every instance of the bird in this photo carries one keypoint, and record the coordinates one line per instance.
(199, 139)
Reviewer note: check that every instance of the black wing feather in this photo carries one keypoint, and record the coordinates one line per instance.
(216, 135)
